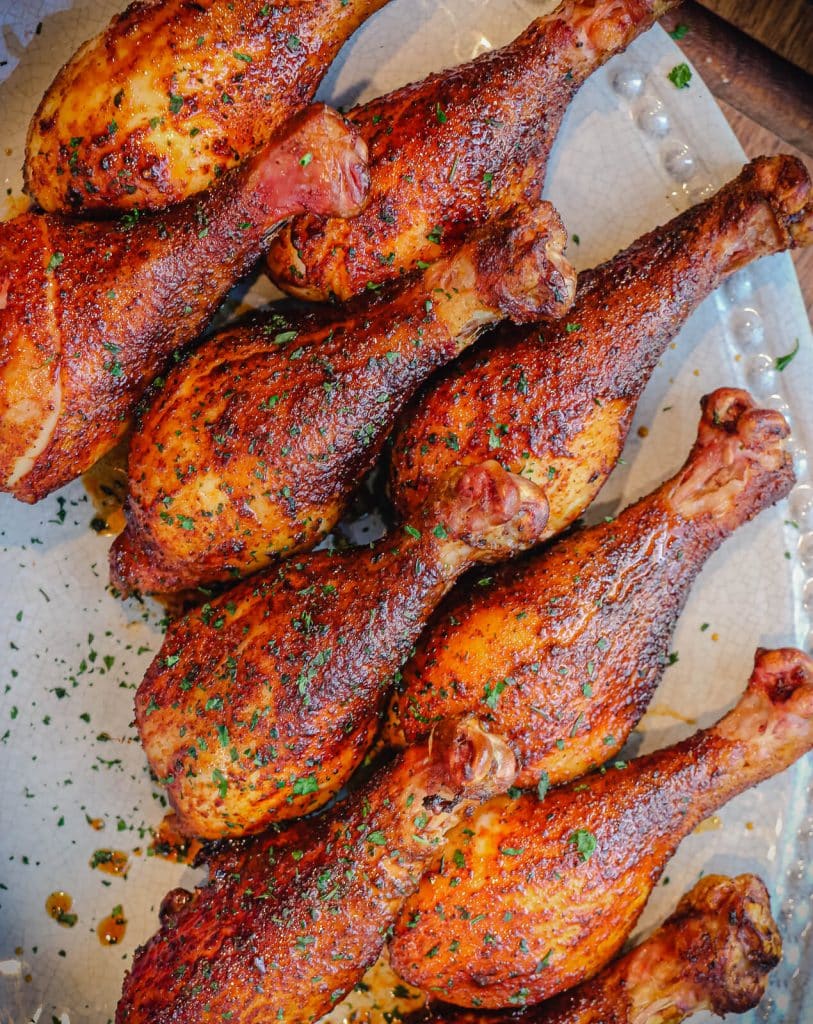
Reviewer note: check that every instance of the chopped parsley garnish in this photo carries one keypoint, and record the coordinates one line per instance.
(585, 843)
(307, 784)
(680, 76)
(782, 362)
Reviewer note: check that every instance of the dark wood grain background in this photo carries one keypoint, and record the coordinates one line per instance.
(786, 26)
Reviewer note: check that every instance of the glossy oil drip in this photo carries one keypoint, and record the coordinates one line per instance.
(106, 484)
(58, 906)
(171, 844)
(111, 862)
(111, 930)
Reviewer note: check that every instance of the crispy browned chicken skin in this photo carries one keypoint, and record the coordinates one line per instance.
(261, 704)
(172, 94)
(540, 894)
(714, 953)
(91, 311)
(561, 653)
(556, 402)
(288, 924)
(449, 153)
(256, 444)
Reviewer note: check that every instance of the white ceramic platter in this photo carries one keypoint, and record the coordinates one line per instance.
(633, 150)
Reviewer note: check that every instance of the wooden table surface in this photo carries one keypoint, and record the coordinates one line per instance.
(786, 26)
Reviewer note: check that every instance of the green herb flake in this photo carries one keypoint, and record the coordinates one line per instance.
(585, 843)
(544, 962)
(306, 784)
(491, 694)
(782, 362)
(221, 782)
(680, 76)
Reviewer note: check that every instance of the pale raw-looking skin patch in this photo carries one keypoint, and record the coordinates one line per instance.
(43, 403)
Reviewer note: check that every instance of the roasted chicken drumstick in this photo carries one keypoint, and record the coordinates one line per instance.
(261, 704)
(449, 153)
(91, 311)
(561, 654)
(556, 402)
(283, 931)
(714, 953)
(255, 445)
(541, 893)
(172, 94)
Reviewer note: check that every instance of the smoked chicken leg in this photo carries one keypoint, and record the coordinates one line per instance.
(449, 153)
(556, 402)
(255, 445)
(283, 931)
(91, 311)
(541, 893)
(561, 654)
(172, 94)
(714, 953)
(261, 704)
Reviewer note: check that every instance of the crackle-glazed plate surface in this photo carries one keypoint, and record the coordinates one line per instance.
(633, 151)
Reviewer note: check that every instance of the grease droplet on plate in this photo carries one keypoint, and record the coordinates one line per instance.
(111, 930)
(58, 906)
